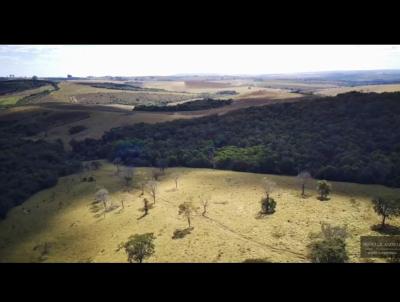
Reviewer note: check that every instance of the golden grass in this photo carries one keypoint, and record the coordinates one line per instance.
(75, 231)
(71, 92)
(366, 88)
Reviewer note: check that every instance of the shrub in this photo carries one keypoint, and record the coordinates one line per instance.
(268, 205)
(331, 245)
(324, 188)
(328, 251)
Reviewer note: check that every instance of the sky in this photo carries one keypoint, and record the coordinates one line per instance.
(144, 60)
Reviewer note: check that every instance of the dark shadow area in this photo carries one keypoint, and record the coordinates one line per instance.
(181, 233)
(386, 230)
(323, 198)
(257, 260)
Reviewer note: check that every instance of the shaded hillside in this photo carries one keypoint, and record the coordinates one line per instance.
(351, 137)
(13, 86)
(186, 106)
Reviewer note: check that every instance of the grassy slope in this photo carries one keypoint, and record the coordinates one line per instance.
(232, 233)
(366, 88)
(13, 98)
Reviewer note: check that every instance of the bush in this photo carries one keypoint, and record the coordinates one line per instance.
(331, 245)
(268, 205)
(324, 188)
(328, 251)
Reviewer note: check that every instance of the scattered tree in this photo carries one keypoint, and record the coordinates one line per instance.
(268, 205)
(386, 208)
(152, 186)
(303, 178)
(324, 188)
(117, 162)
(187, 210)
(176, 177)
(205, 199)
(127, 176)
(102, 195)
(269, 186)
(139, 247)
(162, 164)
(145, 206)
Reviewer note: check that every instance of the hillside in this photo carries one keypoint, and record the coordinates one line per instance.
(61, 224)
(352, 137)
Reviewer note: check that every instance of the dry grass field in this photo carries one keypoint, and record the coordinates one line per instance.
(366, 88)
(71, 92)
(61, 224)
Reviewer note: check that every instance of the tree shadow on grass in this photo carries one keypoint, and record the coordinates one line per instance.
(323, 198)
(386, 230)
(181, 233)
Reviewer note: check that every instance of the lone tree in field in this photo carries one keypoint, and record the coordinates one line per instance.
(162, 164)
(386, 208)
(117, 162)
(153, 189)
(102, 196)
(268, 204)
(269, 186)
(324, 188)
(127, 176)
(205, 199)
(139, 247)
(176, 177)
(187, 210)
(145, 206)
(303, 177)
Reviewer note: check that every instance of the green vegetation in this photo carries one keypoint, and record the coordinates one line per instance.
(10, 100)
(13, 86)
(187, 106)
(324, 188)
(331, 247)
(352, 137)
(116, 86)
(139, 247)
(268, 205)
(386, 208)
(29, 166)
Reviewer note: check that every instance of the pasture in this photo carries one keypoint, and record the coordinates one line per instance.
(63, 224)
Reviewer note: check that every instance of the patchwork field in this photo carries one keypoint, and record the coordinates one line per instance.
(62, 224)
(71, 92)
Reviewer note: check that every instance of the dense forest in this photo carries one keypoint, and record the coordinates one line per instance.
(28, 166)
(118, 86)
(202, 104)
(351, 137)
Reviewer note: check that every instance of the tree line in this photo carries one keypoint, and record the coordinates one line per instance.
(351, 137)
